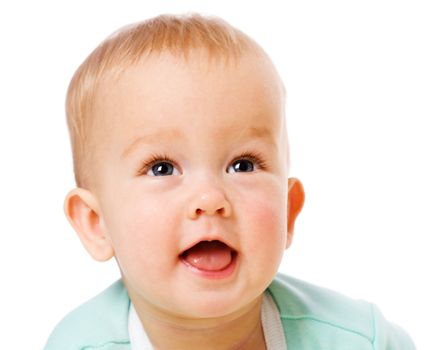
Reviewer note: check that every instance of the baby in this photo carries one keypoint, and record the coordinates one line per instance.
(181, 160)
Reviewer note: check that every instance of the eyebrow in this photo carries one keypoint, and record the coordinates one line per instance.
(257, 132)
(174, 134)
(160, 135)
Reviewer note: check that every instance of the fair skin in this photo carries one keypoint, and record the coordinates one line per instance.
(205, 118)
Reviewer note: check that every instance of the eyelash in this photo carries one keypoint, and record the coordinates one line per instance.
(254, 157)
(154, 159)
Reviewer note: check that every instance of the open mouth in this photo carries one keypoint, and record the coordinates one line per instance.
(210, 257)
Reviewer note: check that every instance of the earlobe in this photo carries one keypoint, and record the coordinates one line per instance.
(81, 209)
(296, 199)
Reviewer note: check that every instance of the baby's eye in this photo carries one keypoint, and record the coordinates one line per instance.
(162, 169)
(241, 166)
(247, 162)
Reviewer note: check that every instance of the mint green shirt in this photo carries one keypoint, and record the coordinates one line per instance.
(313, 318)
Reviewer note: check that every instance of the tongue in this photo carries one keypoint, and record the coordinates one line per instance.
(209, 256)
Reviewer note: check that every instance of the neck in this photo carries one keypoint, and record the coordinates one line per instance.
(242, 330)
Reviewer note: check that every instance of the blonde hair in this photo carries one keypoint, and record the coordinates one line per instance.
(178, 34)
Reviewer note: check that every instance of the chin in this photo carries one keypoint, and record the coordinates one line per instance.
(219, 306)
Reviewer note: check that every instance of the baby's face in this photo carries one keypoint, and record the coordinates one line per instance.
(193, 182)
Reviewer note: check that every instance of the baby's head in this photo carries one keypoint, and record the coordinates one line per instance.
(181, 160)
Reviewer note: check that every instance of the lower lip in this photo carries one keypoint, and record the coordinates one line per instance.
(214, 275)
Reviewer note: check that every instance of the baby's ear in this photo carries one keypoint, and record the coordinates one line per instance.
(81, 209)
(296, 198)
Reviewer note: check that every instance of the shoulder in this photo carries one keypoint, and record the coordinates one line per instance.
(328, 317)
(98, 322)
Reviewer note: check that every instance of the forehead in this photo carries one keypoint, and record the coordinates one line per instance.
(171, 97)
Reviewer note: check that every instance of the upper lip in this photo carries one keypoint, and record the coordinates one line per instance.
(208, 239)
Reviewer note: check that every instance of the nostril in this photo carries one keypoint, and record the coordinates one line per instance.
(209, 204)
(220, 211)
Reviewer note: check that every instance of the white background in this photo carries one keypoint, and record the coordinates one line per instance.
(362, 109)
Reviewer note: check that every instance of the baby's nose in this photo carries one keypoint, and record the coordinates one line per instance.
(209, 202)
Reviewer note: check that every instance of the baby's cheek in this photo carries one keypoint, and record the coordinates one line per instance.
(147, 235)
(269, 222)
(266, 203)
(265, 244)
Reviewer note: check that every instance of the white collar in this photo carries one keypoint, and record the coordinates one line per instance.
(270, 319)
